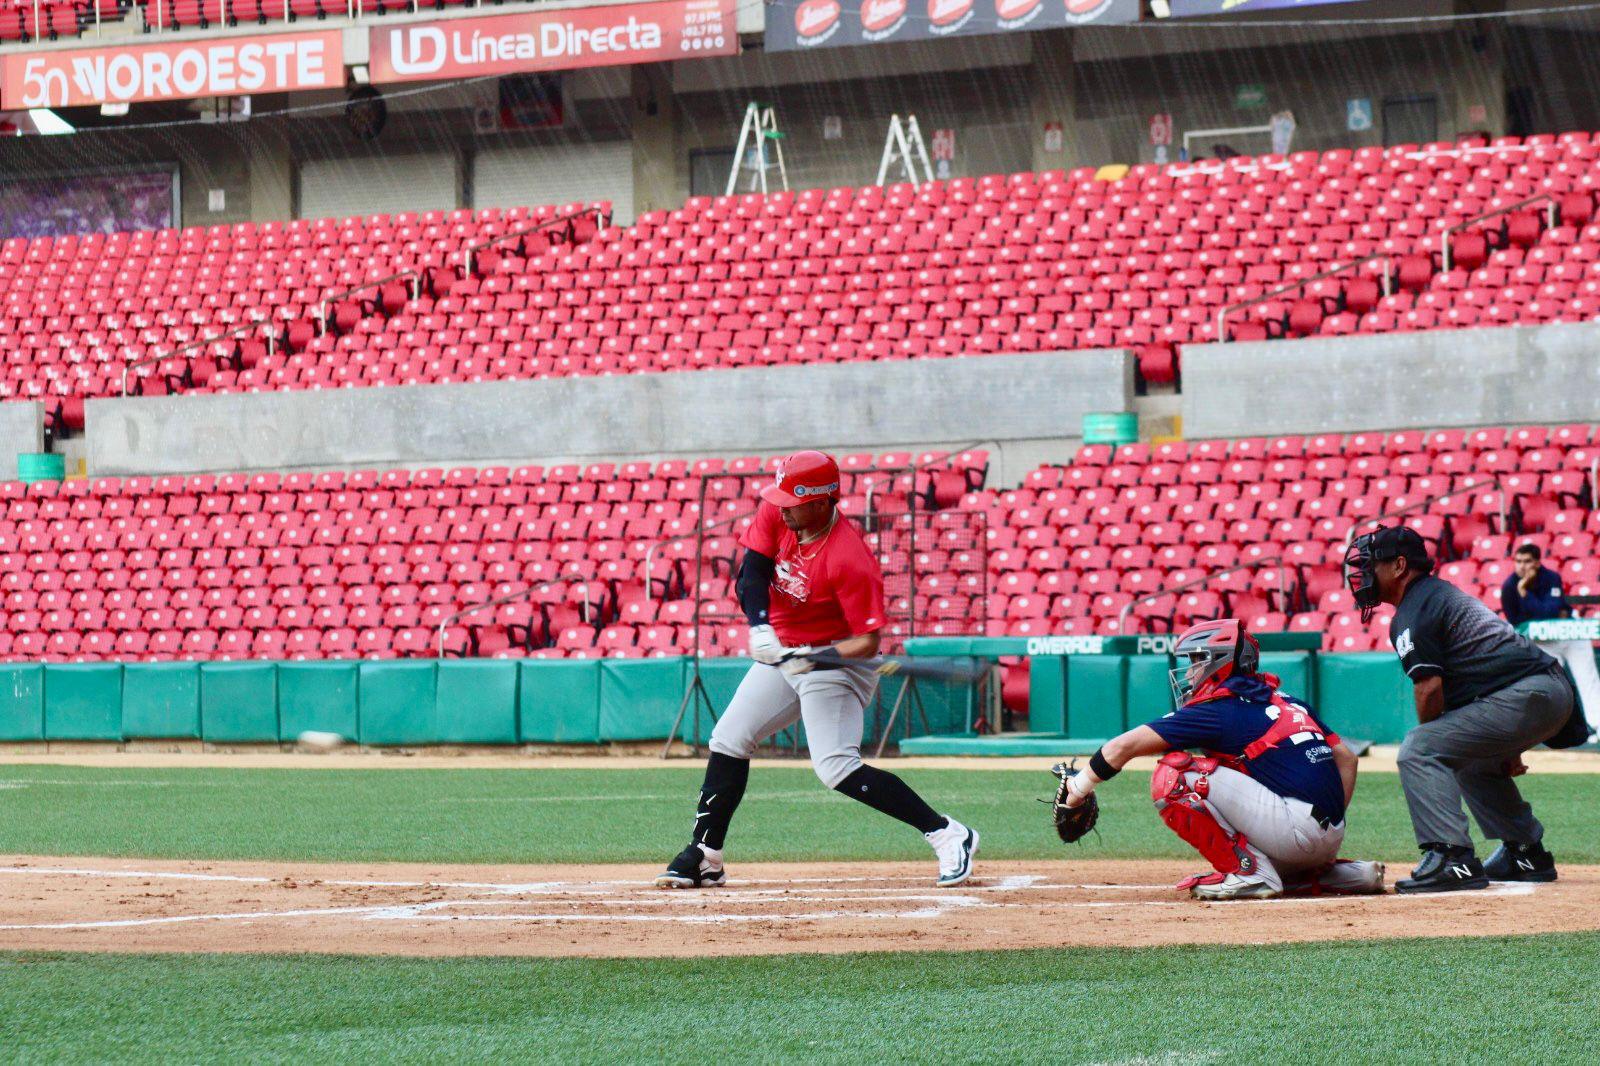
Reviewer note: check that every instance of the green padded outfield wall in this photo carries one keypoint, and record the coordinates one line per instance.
(83, 701)
(475, 702)
(238, 702)
(161, 700)
(397, 702)
(21, 701)
(589, 701)
(559, 702)
(324, 696)
(639, 697)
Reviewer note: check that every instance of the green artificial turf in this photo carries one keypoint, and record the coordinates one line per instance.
(618, 815)
(1527, 999)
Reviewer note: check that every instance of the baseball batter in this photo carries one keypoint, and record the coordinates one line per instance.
(809, 586)
(1265, 804)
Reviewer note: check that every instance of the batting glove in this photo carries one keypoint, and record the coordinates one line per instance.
(765, 646)
(795, 661)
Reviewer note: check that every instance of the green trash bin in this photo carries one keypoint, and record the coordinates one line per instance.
(1111, 427)
(41, 466)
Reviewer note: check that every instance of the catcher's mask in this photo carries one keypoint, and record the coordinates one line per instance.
(1208, 654)
(1369, 549)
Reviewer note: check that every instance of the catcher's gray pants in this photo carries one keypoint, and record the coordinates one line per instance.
(831, 703)
(1286, 837)
(1463, 752)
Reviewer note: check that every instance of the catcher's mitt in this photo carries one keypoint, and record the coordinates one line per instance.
(1072, 823)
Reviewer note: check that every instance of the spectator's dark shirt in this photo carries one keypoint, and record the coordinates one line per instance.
(1544, 598)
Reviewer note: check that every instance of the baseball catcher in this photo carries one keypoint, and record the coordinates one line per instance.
(1265, 801)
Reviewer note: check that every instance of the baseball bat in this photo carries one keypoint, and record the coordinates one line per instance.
(954, 673)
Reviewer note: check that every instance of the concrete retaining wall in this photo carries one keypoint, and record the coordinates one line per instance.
(1469, 377)
(844, 406)
(21, 430)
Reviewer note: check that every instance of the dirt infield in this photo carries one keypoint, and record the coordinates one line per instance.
(1379, 759)
(80, 904)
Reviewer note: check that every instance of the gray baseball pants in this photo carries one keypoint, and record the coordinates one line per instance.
(831, 703)
(1462, 754)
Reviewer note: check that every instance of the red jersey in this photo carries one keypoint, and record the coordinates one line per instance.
(823, 591)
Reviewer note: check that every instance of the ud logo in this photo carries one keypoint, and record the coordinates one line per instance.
(1403, 644)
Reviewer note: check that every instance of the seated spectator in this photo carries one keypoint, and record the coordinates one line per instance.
(1533, 592)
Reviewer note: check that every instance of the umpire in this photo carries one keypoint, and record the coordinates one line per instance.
(1484, 695)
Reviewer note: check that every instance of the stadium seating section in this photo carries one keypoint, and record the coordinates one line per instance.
(78, 310)
(304, 565)
(370, 564)
(1075, 545)
(1024, 262)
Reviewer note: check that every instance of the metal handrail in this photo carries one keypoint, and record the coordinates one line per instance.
(1388, 287)
(524, 231)
(184, 351)
(512, 597)
(1473, 486)
(326, 301)
(1550, 220)
(699, 531)
(1198, 582)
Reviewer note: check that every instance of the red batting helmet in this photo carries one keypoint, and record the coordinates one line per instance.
(1216, 651)
(801, 478)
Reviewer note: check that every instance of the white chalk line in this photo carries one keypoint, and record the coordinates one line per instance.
(814, 794)
(661, 905)
(29, 782)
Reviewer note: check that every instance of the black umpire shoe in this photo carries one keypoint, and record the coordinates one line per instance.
(1521, 862)
(1445, 870)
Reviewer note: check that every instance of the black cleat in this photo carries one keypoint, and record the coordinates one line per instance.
(1444, 871)
(1521, 862)
(693, 868)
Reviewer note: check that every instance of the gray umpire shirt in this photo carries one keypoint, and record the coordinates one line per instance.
(1440, 631)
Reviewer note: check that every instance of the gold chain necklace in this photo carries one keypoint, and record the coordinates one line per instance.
(818, 540)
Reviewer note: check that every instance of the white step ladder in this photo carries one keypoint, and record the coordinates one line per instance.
(754, 155)
(904, 146)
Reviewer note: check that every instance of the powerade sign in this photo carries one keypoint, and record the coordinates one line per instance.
(1182, 9)
(796, 25)
(1065, 645)
(1554, 629)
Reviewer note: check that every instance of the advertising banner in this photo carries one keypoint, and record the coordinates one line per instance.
(568, 39)
(188, 70)
(794, 25)
(1182, 9)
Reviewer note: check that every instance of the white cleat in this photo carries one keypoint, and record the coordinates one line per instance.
(1236, 886)
(955, 845)
(1352, 877)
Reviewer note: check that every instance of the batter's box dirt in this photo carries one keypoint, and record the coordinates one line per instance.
(766, 908)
